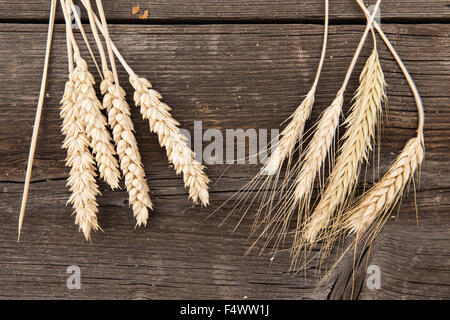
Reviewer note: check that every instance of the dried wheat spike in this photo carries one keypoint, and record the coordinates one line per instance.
(386, 192)
(167, 128)
(127, 149)
(95, 123)
(361, 126)
(82, 173)
(317, 151)
(290, 135)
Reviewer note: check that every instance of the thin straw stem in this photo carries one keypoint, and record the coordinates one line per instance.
(67, 19)
(98, 41)
(69, 50)
(37, 120)
(108, 43)
(71, 9)
(116, 51)
(324, 46)
(360, 46)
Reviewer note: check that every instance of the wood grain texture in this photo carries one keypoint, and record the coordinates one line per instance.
(198, 10)
(227, 76)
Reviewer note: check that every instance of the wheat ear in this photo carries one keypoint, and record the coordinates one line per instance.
(90, 109)
(361, 126)
(127, 149)
(265, 187)
(295, 129)
(82, 182)
(290, 135)
(280, 215)
(79, 158)
(119, 118)
(167, 128)
(318, 149)
(388, 190)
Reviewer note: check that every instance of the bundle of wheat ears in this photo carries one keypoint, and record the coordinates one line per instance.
(285, 206)
(91, 149)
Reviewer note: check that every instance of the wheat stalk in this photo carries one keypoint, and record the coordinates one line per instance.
(361, 126)
(37, 120)
(72, 10)
(82, 182)
(318, 149)
(167, 128)
(119, 119)
(82, 173)
(388, 190)
(127, 149)
(290, 135)
(265, 185)
(95, 123)
(295, 129)
(293, 133)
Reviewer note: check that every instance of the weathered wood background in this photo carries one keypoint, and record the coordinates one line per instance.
(230, 64)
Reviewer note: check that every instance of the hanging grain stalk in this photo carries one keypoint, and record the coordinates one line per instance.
(266, 182)
(336, 212)
(89, 143)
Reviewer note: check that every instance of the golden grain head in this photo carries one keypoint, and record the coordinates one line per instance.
(170, 137)
(290, 136)
(95, 124)
(317, 150)
(379, 200)
(361, 126)
(126, 146)
(81, 181)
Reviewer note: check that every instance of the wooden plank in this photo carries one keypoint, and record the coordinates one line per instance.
(227, 76)
(197, 10)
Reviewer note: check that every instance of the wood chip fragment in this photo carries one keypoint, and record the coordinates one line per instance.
(135, 10)
(144, 15)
